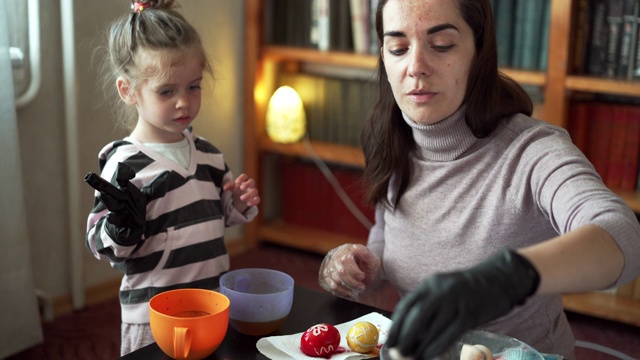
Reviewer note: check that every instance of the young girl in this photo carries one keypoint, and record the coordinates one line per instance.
(161, 220)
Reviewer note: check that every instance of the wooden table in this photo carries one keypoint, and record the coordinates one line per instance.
(310, 307)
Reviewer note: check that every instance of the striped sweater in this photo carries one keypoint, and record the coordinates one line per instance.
(183, 244)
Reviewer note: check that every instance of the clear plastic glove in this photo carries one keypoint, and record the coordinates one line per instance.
(126, 203)
(432, 317)
(348, 270)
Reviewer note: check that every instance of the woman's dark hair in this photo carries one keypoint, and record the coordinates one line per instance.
(490, 97)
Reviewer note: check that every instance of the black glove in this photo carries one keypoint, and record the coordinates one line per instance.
(127, 204)
(434, 316)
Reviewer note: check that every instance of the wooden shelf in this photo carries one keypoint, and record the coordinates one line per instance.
(603, 86)
(333, 153)
(606, 306)
(279, 53)
(363, 61)
(526, 77)
(304, 238)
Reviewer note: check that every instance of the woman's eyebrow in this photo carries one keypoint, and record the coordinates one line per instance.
(394, 34)
(441, 27)
(430, 31)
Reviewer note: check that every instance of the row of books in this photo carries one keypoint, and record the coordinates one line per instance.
(609, 135)
(309, 200)
(522, 33)
(522, 28)
(606, 40)
(335, 107)
(337, 25)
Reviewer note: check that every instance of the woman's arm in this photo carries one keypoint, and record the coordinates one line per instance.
(584, 259)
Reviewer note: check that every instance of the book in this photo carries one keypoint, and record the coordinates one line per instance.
(579, 117)
(309, 200)
(351, 115)
(340, 26)
(613, 176)
(319, 126)
(342, 220)
(288, 22)
(597, 56)
(580, 37)
(324, 24)
(360, 25)
(504, 31)
(631, 155)
(634, 66)
(529, 33)
(519, 26)
(614, 22)
(599, 137)
(275, 22)
(544, 39)
(313, 28)
(374, 47)
(628, 40)
(333, 105)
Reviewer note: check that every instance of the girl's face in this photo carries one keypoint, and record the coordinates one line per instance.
(427, 51)
(167, 105)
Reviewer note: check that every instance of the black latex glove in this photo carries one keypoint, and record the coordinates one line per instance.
(431, 318)
(127, 204)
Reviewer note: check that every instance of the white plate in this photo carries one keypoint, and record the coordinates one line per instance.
(502, 347)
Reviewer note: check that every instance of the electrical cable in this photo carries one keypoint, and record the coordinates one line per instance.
(336, 185)
(603, 349)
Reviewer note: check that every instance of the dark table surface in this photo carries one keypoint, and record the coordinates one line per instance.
(310, 307)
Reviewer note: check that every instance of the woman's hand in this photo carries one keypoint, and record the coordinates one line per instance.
(348, 270)
(432, 317)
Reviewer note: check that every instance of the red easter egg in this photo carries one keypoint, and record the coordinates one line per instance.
(320, 340)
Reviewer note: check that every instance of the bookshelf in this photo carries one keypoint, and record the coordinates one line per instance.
(262, 63)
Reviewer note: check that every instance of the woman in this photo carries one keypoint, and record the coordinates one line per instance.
(484, 215)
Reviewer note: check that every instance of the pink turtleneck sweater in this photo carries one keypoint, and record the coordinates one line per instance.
(469, 197)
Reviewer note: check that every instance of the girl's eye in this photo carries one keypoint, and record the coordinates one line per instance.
(165, 92)
(194, 87)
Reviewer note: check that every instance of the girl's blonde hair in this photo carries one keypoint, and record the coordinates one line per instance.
(152, 26)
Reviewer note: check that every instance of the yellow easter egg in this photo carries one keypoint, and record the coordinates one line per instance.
(362, 337)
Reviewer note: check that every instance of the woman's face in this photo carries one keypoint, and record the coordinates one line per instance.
(427, 50)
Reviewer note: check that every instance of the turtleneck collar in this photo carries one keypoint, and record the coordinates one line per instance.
(445, 140)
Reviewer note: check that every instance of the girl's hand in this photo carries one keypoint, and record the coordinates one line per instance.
(245, 193)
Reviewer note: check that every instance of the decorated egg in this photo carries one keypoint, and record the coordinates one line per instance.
(475, 352)
(362, 337)
(320, 340)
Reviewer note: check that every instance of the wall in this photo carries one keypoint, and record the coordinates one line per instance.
(42, 132)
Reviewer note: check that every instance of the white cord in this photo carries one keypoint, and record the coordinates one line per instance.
(603, 349)
(336, 185)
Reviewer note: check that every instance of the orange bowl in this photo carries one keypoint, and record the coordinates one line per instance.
(189, 323)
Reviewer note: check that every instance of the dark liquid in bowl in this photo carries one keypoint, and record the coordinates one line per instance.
(191, 314)
(256, 328)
